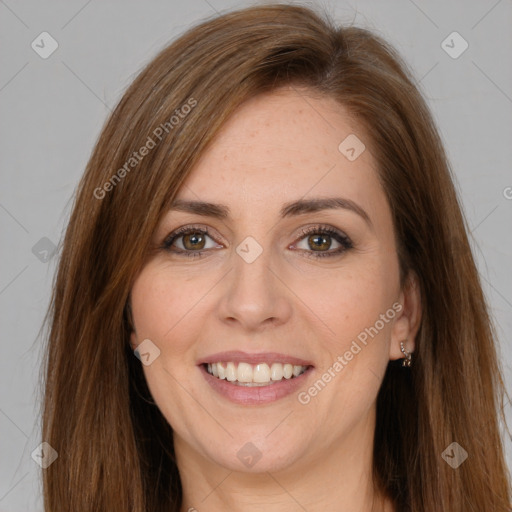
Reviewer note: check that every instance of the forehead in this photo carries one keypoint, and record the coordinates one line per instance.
(281, 146)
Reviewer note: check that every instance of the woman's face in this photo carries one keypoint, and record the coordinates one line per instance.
(277, 285)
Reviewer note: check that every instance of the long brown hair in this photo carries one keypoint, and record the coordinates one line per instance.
(114, 445)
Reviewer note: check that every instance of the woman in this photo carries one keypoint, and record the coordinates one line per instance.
(266, 297)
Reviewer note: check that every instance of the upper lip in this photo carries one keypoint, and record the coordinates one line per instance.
(237, 356)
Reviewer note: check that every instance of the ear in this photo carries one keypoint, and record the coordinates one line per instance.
(133, 340)
(129, 318)
(408, 320)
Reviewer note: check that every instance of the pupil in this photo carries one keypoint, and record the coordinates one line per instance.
(194, 239)
(320, 241)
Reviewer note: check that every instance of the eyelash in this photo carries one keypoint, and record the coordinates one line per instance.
(342, 239)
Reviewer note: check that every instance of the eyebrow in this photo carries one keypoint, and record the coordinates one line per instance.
(294, 208)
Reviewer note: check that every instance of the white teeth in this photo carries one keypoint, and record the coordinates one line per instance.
(287, 371)
(276, 371)
(261, 373)
(244, 372)
(254, 375)
(231, 373)
(297, 370)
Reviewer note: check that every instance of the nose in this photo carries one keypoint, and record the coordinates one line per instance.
(254, 295)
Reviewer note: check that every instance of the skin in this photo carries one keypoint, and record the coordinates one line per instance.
(277, 148)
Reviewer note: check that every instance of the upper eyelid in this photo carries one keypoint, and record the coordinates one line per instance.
(182, 231)
(300, 233)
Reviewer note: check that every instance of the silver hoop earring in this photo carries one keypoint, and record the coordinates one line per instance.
(408, 357)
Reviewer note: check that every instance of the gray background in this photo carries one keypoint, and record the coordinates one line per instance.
(52, 111)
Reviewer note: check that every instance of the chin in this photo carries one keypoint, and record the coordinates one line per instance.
(257, 454)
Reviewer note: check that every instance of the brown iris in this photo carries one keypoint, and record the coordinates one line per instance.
(194, 239)
(319, 241)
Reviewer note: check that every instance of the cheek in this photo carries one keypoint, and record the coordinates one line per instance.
(162, 306)
(347, 300)
(161, 303)
(356, 306)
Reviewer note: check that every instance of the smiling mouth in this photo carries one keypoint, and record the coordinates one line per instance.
(253, 375)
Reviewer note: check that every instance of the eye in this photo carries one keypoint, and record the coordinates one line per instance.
(189, 240)
(192, 241)
(318, 240)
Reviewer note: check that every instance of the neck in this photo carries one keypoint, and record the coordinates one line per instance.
(338, 479)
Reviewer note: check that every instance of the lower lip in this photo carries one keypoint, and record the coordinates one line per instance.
(257, 395)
